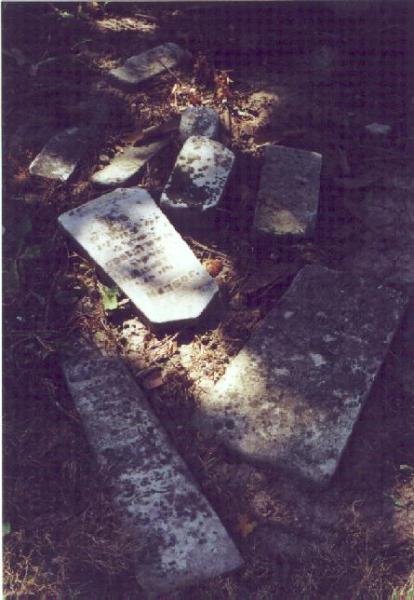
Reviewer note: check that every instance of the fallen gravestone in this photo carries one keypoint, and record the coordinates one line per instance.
(180, 539)
(127, 164)
(198, 179)
(199, 120)
(128, 236)
(61, 155)
(293, 394)
(148, 64)
(288, 198)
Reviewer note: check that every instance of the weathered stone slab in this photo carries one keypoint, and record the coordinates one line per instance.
(61, 155)
(148, 64)
(180, 539)
(293, 394)
(199, 176)
(288, 198)
(129, 237)
(199, 120)
(127, 164)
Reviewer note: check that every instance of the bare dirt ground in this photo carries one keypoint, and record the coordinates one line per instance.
(302, 77)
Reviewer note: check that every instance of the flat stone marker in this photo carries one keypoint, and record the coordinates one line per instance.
(180, 539)
(199, 120)
(199, 176)
(126, 165)
(148, 64)
(287, 204)
(129, 237)
(292, 396)
(61, 155)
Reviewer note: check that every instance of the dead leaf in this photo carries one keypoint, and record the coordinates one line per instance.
(222, 92)
(214, 266)
(245, 526)
(151, 378)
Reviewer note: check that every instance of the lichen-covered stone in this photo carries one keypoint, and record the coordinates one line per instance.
(127, 164)
(148, 64)
(199, 120)
(61, 155)
(288, 198)
(129, 237)
(179, 538)
(292, 396)
(199, 176)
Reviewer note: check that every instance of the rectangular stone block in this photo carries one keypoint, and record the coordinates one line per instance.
(288, 198)
(291, 397)
(180, 539)
(199, 176)
(129, 237)
(127, 164)
(148, 64)
(199, 120)
(61, 155)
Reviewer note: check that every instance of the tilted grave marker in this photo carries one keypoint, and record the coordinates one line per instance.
(288, 199)
(61, 155)
(293, 394)
(199, 120)
(127, 164)
(130, 238)
(199, 176)
(146, 65)
(179, 538)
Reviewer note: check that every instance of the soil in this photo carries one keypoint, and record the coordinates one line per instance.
(297, 74)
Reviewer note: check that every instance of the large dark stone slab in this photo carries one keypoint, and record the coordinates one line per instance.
(129, 237)
(61, 155)
(148, 64)
(199, 176)
(291, 397)
(179, 538)
(288, 198)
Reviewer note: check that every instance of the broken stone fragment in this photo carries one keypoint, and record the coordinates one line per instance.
(127, 164)
(179, 538)
(148, 64)
(288, 198)
(199, 120)
(378, 128)
(291, 397)
(61, 155)
(133, 242)
(199, 177)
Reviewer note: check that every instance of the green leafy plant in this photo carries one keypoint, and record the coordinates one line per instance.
(20, 253)
(109, 297)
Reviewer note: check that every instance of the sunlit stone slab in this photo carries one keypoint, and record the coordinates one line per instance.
(179, 538)
(288, 198)
(148, 64)
(128, 236)
(199, 120)
(199, 176)
(127, 164)
(293, 394)
(61, 155)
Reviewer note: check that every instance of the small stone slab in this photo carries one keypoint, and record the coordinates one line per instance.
(292, 396)
(127, 164)
(199, 176)
(288, 198)
(129, 237)
(199, 120)
(180, 539)
(61, 155)
(148, 64)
